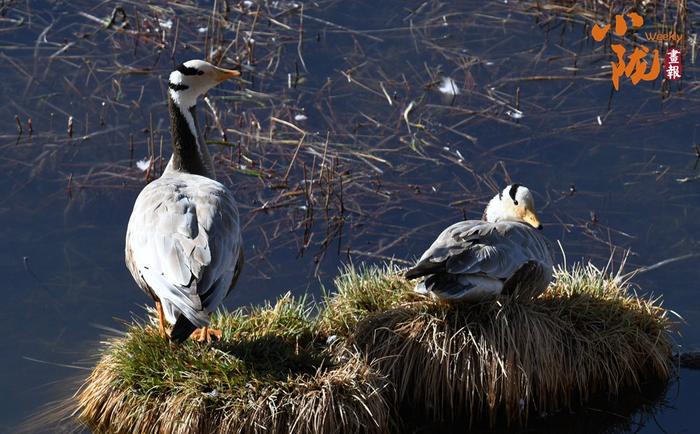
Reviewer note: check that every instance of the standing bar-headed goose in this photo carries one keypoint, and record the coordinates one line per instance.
(183, 242)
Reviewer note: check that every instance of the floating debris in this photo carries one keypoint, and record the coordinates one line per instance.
(166, 24)
(515, 114)
(144, 164)
(448, 87)
(688, 179)
(405, 115)
(300, 117)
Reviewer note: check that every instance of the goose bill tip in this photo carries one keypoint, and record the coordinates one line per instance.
(226, 74)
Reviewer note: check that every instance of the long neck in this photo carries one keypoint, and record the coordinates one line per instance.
(190, 153)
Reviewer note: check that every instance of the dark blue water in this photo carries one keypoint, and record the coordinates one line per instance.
(66, 200)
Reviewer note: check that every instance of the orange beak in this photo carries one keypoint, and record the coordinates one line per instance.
(225, 74)
(531, 218)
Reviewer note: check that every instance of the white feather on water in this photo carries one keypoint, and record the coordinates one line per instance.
(448, 87)
(143, 164)
(515, 114)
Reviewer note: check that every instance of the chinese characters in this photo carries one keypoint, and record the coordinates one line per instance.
(672, 64)
(636, 67)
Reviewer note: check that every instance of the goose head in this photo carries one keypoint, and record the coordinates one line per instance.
(185, 84)
(193, 78)
(514, 203)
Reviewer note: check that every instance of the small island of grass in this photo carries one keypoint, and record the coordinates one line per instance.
(374, 348)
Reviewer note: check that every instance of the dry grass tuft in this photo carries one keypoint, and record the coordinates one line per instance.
(586, 335)
(283, 368)
(268, 374)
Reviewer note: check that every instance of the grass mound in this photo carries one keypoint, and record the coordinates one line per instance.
(267, 374)
(275, 371)
(588, 334)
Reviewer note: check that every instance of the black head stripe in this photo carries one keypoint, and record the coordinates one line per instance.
(513, 190)
(177, 87)
(185, 70)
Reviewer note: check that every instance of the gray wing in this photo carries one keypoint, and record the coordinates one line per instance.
(183, 244)
(494, 250)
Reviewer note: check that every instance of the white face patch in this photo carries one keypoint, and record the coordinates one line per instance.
(505, 205)
(524, 198)
(182, 90)
(518, 195)
(190, 80)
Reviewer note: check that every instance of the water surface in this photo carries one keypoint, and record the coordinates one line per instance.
(605, 165)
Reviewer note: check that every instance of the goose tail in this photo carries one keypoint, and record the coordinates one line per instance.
(182, 329)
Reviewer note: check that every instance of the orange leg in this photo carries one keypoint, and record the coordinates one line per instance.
(205, 334)
(161, 320)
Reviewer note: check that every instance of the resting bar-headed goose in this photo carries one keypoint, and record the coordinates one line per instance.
(505, 253)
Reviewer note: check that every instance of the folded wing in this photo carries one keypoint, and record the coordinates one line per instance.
(183, 245)
(475, 254)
